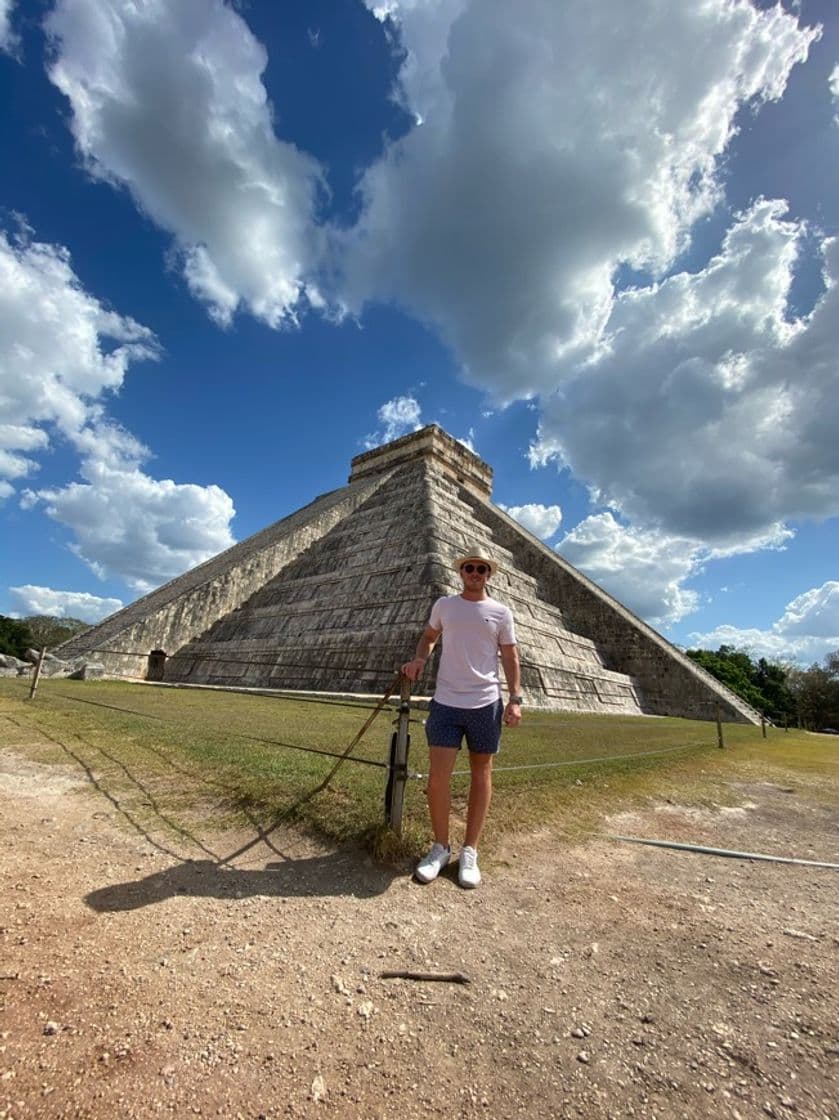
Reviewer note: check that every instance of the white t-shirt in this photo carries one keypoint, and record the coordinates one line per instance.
(472, 631)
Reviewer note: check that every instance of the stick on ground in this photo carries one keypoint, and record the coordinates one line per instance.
(444, 977)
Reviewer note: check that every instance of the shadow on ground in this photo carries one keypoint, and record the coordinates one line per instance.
(336, 873)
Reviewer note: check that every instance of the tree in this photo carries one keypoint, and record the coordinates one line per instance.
(48, 631)
(772, 682)
(762, 684)
(15, 636)
(816, 692)
(734, 668)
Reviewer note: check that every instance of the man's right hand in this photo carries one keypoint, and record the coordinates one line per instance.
(413, 669)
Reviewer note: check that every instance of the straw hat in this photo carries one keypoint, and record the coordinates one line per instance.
(477, 554)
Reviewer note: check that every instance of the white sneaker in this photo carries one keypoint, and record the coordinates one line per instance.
(430, 866)
(468, 872)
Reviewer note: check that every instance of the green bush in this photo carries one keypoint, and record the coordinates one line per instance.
(15, 636)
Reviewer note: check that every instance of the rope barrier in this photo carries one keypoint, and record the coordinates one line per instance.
(343, 758)
(274, 694)
(418, 775)
(579, 761)
(242, 734)
(56, 695)
(351, 747)
(559, 694)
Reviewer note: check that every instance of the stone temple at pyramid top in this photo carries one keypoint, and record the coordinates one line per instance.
(450, 456)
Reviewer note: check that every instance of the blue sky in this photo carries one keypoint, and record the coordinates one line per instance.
(241, 243)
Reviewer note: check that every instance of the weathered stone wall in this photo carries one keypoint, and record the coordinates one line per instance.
(451, 458)
(342, 616)
(561, 669)
(171, 616)
(666, 681)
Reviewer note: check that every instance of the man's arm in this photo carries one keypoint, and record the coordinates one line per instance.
(413, 669)
(512, 672)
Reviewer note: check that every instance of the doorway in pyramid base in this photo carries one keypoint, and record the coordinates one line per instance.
(333, 598)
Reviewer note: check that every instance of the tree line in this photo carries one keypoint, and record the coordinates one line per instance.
(38, 631)
(785, 693)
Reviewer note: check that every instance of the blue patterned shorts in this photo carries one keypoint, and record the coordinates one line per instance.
(446, 727)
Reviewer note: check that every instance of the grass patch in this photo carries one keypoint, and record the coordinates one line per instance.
(183, 762)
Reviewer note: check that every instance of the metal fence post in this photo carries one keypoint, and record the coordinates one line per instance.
(399, 744)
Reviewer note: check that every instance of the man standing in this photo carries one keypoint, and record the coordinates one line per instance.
(467, 702)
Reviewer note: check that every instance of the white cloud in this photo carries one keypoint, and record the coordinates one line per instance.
(387, 9)
(558, 142)
(61, 354)
(136, 528)
(815, 614)
(706, 410)
(168, 101)
(61, 351)
(542, 521)
(833, 82)
(807, 630)
(63, 604)
(774, 537)
(647, 569)
(398, 417)
(8, 39)
(468, 440)
(644, 569)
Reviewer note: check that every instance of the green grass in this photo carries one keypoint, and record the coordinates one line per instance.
(184, 762)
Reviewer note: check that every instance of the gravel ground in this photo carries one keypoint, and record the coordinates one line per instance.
(607, 979)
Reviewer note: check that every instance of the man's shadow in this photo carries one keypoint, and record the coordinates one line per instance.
(336, 873)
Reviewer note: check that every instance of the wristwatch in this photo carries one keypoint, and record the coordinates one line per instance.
(516, 700)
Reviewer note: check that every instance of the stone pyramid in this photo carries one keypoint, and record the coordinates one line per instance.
(333, 598)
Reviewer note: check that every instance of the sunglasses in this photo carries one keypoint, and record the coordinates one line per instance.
(481, 569)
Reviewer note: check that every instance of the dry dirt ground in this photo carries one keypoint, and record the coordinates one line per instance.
(607, 979)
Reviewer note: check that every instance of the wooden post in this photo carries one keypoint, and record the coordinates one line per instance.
(400, 742)
(786, 722)
(720, 742)
(763, 725)
(36, 674)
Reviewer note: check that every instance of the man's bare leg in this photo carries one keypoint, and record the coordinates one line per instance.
(441, 764)
(480, 795)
